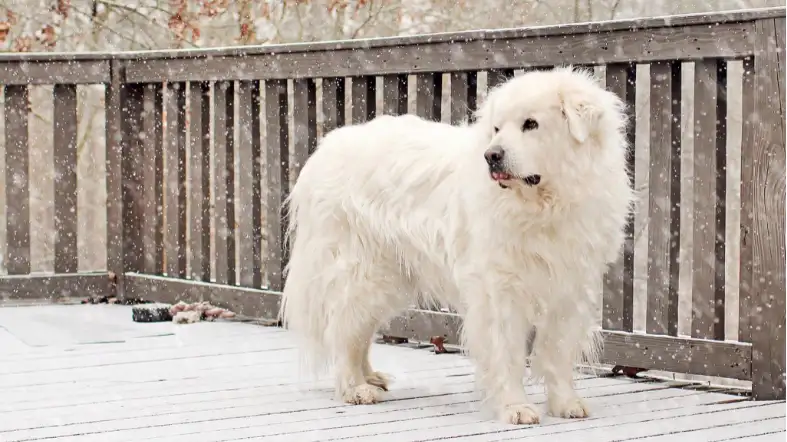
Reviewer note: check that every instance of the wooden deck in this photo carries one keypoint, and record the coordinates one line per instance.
(88, 373)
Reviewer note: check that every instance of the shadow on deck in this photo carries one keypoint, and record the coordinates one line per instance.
(88, 373)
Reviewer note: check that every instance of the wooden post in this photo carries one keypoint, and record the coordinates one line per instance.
(763, 206)
(17, 180)
(65, 162)
(114, 168)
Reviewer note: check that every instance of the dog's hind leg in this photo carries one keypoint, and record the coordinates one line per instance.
(376, 378)
(370, 298)
(351, 350)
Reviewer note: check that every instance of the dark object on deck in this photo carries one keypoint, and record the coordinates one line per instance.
(394, 340)
(151, 313)
(628, 371)
(439, 348)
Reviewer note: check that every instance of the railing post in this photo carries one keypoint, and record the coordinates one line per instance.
(763, 210)
(114, 155)
(124, 178)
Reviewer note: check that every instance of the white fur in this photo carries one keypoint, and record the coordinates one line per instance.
(399, 207)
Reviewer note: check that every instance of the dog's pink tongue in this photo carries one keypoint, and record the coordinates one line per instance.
(500, 176)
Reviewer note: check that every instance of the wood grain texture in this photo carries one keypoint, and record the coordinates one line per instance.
(673, 43)
(618, 295)
(175, 181)
(153, 171)
(363, 99)
(205, 91)
(680, 355)
(464, 91)
(133, 202)
(55, 72)
(224, 182)
(664, 203)
(248, 176)
(429, 96)
(65, 178)
(333, 96)
(277, 153)
(54, 287)
(768, 208)
(710, 153)
(114, 170)
(304, 122)
(256, 187)
(395, 94)
(198, 181)
(17, 179)
(746, 258)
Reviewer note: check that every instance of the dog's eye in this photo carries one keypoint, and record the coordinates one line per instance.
(497, 129)
(529, 124)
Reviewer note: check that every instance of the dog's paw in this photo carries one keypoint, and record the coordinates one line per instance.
(378, 379)
(569, 409)
(520, 414)
(363, 394)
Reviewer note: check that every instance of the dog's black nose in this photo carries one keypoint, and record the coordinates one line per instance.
(494, 155)
(533, 180)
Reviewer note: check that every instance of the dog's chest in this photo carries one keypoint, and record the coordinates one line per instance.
(564, 247)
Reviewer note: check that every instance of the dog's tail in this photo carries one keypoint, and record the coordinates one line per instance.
(303, 309)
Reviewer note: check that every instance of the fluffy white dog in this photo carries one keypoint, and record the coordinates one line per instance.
(511, 220)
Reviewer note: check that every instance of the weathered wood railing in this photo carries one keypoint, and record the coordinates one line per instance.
(201, 148)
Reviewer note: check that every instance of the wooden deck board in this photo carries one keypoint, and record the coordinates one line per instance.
(88, 373)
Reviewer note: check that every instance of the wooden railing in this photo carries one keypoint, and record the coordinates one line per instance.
(202, 146)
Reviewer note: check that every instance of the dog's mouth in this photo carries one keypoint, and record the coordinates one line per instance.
(503, 178)
(500, 176)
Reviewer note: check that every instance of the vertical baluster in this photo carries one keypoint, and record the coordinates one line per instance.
(618, 304)
(363, 99)
(224, 166)
(133, 203)
(332, 104)
(65, 180)
(249, 211)
(199, 170)
(464, 90)
(175, 171)
(395, 94)
(17, 179)
(710, 149)
(277, 152)
(153, 170)
(664, 207)
(429, 94)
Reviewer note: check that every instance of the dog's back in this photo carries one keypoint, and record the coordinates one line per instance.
(362, 218)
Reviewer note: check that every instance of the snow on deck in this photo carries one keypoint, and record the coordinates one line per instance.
(88, 373)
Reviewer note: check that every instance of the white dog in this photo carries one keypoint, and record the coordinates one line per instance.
(511, 220)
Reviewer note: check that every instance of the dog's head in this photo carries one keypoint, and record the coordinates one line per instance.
(545, 128)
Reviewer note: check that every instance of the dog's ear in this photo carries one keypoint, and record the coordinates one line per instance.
(582, 116)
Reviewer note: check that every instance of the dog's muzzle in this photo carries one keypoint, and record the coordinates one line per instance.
(495, 158)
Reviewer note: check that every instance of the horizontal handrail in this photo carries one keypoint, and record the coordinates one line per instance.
(733, 16)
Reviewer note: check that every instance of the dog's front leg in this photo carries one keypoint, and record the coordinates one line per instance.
(494, 337)
(559, 343)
